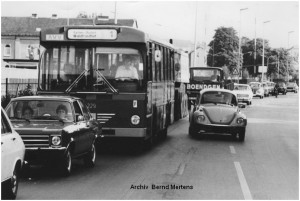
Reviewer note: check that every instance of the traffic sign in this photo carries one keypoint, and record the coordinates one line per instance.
(235, 71)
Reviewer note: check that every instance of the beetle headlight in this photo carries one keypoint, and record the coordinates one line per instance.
(135, 119)
(240, 120)
(56, 140)
(200, 118)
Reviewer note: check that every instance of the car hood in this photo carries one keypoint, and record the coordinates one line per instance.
(220, 114)
(33, 127)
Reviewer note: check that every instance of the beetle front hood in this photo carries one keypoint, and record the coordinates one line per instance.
(220, 114)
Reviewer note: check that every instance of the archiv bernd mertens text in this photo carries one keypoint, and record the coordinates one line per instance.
(161, 187)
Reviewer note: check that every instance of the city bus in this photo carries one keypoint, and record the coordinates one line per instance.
(84, 61)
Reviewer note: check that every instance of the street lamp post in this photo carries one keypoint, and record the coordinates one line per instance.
(263, 56)
(287, 66)
(240, 35)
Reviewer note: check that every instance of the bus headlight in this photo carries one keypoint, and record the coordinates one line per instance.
(135, 119)
(56, 140)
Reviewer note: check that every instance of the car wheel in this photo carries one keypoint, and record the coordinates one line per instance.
(67, 164)
(248, 103)
(242, 132)
(11, 186)
(90, 158)
(192, 132)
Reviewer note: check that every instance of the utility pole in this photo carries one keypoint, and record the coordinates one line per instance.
(195, 39)
(240, 35)
(263, 56)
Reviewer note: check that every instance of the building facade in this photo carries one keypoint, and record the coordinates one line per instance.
(20, 41)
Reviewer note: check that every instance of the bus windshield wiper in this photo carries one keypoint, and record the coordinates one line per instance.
(76, 81)
(106, 81)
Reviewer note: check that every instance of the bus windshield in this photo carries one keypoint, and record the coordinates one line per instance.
(70, 67)
(206, 75)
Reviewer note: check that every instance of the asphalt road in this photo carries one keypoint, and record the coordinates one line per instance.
(265, 166)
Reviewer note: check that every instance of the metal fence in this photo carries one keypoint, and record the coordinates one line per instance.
(12, 86)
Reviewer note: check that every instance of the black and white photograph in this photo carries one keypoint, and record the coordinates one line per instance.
(149, 100)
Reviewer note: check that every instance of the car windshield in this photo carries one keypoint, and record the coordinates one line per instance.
(291, 84)
(218, 97)
(281, 84)
(241, 88)
(40, 109)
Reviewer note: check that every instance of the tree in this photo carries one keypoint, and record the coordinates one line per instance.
(223, 49)
(253, 58)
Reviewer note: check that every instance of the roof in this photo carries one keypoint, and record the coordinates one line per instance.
(27, 26)
(236, 84)
(42, 97)
(213, 89)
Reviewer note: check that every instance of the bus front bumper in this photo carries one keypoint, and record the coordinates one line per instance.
(123, 132)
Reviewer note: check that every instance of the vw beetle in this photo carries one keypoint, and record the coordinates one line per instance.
(218, 111)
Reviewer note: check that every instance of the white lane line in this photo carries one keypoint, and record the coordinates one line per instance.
(271, 121)
(181, 169)
(232, 150)
(243, 182)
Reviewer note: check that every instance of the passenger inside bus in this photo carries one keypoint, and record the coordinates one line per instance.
(127, 70)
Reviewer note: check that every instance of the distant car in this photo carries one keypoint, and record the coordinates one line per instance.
(12, 158)
(55, 129)
(266, 89)
(282, 88)
(217, 111)
(292, 87)
(257, 89)
(271, 86)
(244, 93)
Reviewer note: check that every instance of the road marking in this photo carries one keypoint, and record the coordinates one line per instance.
(243, 182)
(181, 169)
(232, 150)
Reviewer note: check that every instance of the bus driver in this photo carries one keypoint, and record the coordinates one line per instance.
(127, 70)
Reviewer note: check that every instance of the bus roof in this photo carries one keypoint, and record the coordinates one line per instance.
(121, 34)
(217, 68)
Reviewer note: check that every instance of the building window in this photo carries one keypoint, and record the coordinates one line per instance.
(7, 50)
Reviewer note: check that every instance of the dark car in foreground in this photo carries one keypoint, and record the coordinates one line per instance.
(217, 111)
(55, 129)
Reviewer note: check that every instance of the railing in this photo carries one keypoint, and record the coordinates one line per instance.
(12, 86)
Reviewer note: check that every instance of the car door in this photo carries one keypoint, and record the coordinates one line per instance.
(9, 148)
(91, 128)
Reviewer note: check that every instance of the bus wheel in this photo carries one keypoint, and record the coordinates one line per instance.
(164, 133)
(149, 143)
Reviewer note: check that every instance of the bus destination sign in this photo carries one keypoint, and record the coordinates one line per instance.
(105, 34)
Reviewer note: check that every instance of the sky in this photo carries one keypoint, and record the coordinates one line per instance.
(183, 19)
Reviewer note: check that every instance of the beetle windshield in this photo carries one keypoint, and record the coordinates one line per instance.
(241, 88)
(40, 109)
(218, 97)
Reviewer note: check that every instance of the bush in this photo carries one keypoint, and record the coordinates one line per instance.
(26, 92)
